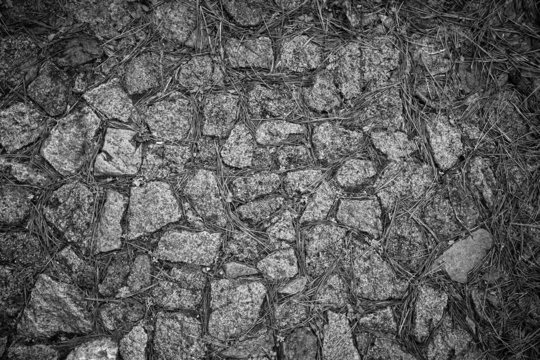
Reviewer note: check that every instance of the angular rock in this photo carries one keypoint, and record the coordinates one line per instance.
(381, 321)
(111, 100)
(481, 177)
(449, 341)
(347, 66)
(250, 187)
(102, 349)
(323, 96)
(465, 255)
(164, 161)
(115, 275)
(238, 150)
(142, 74)
(324, 243)
(406, 244)
(383, 348)
(235, 270)
(25, 172)
(119, 155)
(176, 21)
(39, 351)
(248, 12)
(19, 249)
(279, 265)
(303, 181)
(133, 345)
(53, 308)
(200, 73)
(395, 145)
(15, 203)
(181, 289)
(429, 310)
(71, 142)
(354, 173)
(333, 293)
(170, 119)
(235, 307)
(363, 215)
(383, 110)
(320, 203)
(50, 89)
(204, 193)
(242, 246)
(20, 124)
(333, 142)
(250, 53)
(294, 286)
(282, 227)
(69, 268)
(338, 340)
(445, 140)
(292, 156)
(178, 337)
(121, 315)
(380, 58)
(109, 230)
(259, 210)
(18, 59)
(259, 345)
(275, 132)
(140, 276)
(300, 54)
(78, 51)
(151, 207)
(301, 344)
(220, 113)
(194, 248)
(270, 102)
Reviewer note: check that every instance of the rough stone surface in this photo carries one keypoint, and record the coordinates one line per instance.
(279, 265)
(270, 102)
(27, 173)
(259, 345)
(363, 215)
(302, 181)
(150, 208)
(220, 113)
(354, 173)
(282, 227)
(176, 20)
(140, 276)
(380, 58)
(275, 132)
(200, 72)
(445, 140)
(164, 161)
(252, 186)
(54, 307)
(481, 176)
(465, 255)
(248, 12)
(204, 193)
(111, 100)
(109, 230)
(69, 268)
(383, 110)
(347, 66)
(324, 243)
(259, 210)
(250, 53)
(332, 293)
(22, 352)
(429, 310)
(406, 244)
(293, 156)
(395, 145)
(170, 119)
(294, 286)
(449, 340)
(319, 204)
(115, 275)
(332, 142)
(301, 344)
(300, 54)
(50, 89)
(381, 321)
(238, 150)
(119, 155)
(195, 248)
(242, 246)
(121, 315)
(235, 270)
(181, 289)
(20, 125)
(133, 345)
(71, 141)
(235, 307)
(338, 340)
(14, 204)
(178, 337)
(323, 96)
(142, 74)
(19, 59)
(291, 313)
(383, 348)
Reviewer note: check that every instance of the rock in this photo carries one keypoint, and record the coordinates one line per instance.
(178, 337)
(203, 191)
(151, 207)
(238, 150)
(71, 210)
(431, 55)
(121, 315)
(275, 132)
(445, 140)
(69, 268)
(235, 270)
(133, 345)
(109, 230)
(25, 172)
(142, 74)
(354, 173)
(111, 100)
(395, 145)
(429, 310)
(338, 341)
(15, 203)
(406, 244)
(363, 215)
(259, 345)
(71, 142)
(220, 113)
(253, 186)
(115, 275)
(282, 227)
(163, 161)
(176, 21)
(465, 255)
(333, 142)
(50, 89)
(332, 293)
(250, 53)
(279, 265)
(259, 210)
(383, 348)
(270, 102)
(324, 243)
(78, 51)
(194, 248)
(170, 119)
(18, 59)
(294, 286)
(98, 349)
(19, 249)
(448, 341)
(380, 57)
(181, 290)
(200, 73)
(248, 12)
(140, 276)
(242, 246)
(301, 344)
(54, 307)
(293, 156)
(323, 96)
(381, 321)
(119, 155)
(300, 54)
(347, 67)
(292, 313)
(383, 110)
(303, 181)
(20, 125)
(320, 203)
(235, 307)
(39, 351)
(481, 177)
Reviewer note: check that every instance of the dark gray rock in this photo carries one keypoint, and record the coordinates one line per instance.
(247, 12)
(117, 316)
(271, 102)
(18, 59)
(20, 125)
(115, 275)
(301, 344)
(50, 89)
(200, 73)
(27, 173)
(363, 215)
(39, 351)
(449, 340)
(178, 337)
(142, 74)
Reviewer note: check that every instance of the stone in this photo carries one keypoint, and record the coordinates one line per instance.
(431, 55)
(181, 289)
(98, 349)
(270, 102)
(320, 203)
(259, 345)
(120, 154)
(250, 53)
(282, 227)
(301, 344)
(203, 191)
(363, 215)
(170, 119)
(381, 321)
(178, 337)
(54, 308)
(247, 188)
(238, 149)
(220, 113)
(406, 244)
(39, 351)
(111, 100)
(294, 286)
(333, 142)
(109, 229)
(279, 265)
(176, 21)
(384, 109)
(380, 57)
(133, 345)
(121, 315)
(71, 142)
(25, 172)
(293, 156)
(291, 313)
(164, 161)
(449, 340)
(20, 125)
(19, 59)
(15, 204)
(395, 145)
(303, 181)
(464, 255)
(235, 270)
(429, 310)
(71, 209)
(323, 96)
(50, 89)
(480, 176)
(78, 51)
(140, 276)
(235, 307)
(355, 173)
(247, 12)
(115, 275)
(338, 340)
(332, 293)
(200, 73)
(142, 74)
(324, 243)
(259, 210)
(19, 249)
(151, 207)
(69, 268)
(242, 246)
(383, 348)
(445, 140)
(275, 132)
(194, 248)
(300, 54)
(347, 67)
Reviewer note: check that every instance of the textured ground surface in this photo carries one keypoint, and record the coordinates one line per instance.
(254, 179)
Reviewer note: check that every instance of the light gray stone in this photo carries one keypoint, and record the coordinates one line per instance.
(119, 155)
(20, 124)
(294, 286)
(355, 172)
(260, 210)
(381, 321)
(111, 100)
(15, 204)
(200, 73)
(247, 12)
(332, 142)
(142, 73)
(178, 337)
(429, 310)
(170, 119)
(140, 276)
(338, 340)
(203, 191)
(133, 345)
(220, 113)
(300, 54)
(282, 227)
(121, 315)
(323, 96)
(165, 161)
(235, 270)
(324, 243)
(109, 230)
(279, 265)
(176, 21)
(395, 145)
(239, 147)
(303, 181)
(363, 215)
(320, 203)
(194, 248)
(275, 132)
(332, 293)
(250, 53)
(252, 186)
(445, 140)
(180, 289)
(347, 67)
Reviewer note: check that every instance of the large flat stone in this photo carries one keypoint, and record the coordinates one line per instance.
(111, 100)
(103, 348)
(363, 215)
(120, 154)
(238, 149)
(178, 337)
(170, 119)
(194, 248)
(220, 113)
